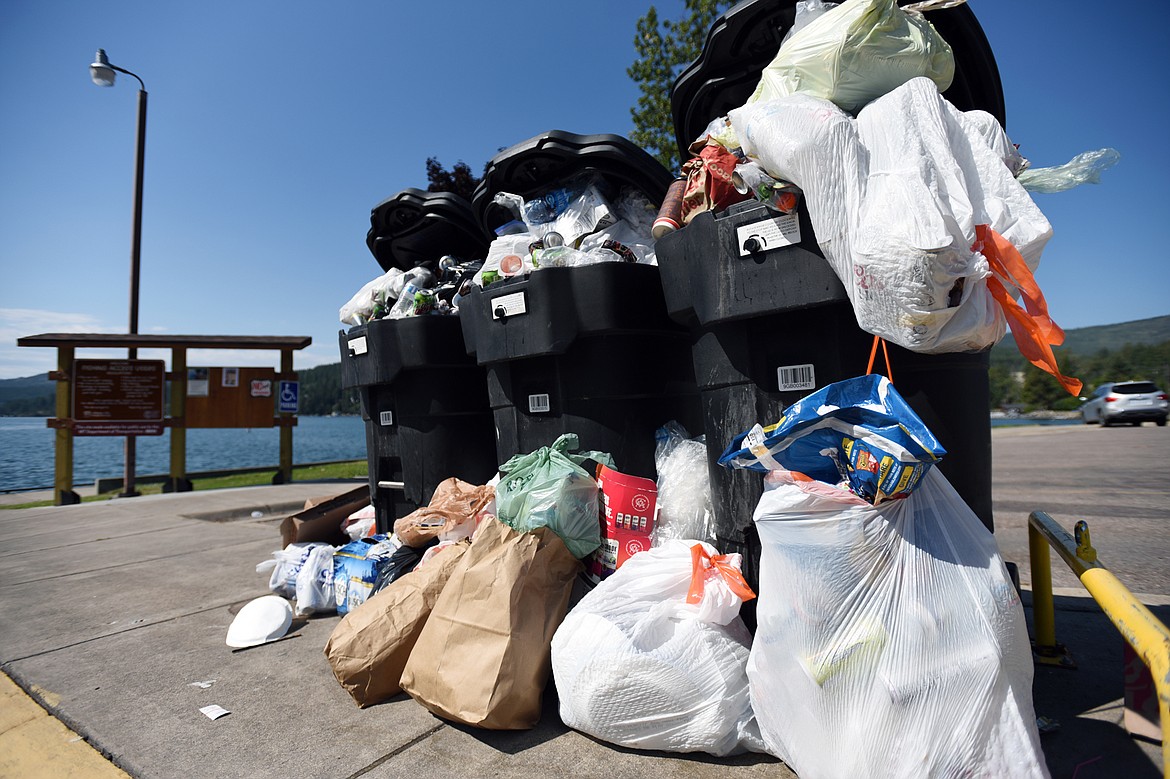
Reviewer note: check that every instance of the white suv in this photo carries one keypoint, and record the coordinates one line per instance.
(1126, 401)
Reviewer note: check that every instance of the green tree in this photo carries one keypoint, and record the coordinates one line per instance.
(664, 48)
(1003, 388)
(1042, 391)
(321, 392)
(459, 179)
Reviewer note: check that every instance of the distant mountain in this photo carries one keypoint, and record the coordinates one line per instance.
(1089, 341)
(31, 396)
(321, 392)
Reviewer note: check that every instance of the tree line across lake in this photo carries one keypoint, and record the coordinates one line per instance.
(1013, 382)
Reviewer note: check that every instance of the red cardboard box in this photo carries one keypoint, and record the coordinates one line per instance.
(627, 519)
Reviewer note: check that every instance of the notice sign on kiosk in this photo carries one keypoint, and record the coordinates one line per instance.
(231, 397)
(118, 397)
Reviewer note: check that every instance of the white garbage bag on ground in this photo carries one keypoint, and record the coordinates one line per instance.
(890, 640)
(636, 665)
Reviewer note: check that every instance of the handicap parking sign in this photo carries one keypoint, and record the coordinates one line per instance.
(287, 399)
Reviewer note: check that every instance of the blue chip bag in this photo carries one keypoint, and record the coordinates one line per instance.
(355, 569)
(859, 431)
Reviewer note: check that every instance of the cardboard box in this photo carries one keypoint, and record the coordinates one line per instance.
(628, 512)
(321, 520)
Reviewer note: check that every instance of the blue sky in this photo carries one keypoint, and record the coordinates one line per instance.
(274, 127)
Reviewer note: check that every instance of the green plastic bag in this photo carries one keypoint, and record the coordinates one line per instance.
(549, 488)
(857, 52)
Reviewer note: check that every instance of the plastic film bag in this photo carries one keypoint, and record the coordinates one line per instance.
(373, 300)
(1085, 168)
(654, 657)
(574, 210)
(285, 565)
(896, 198)
(684, 488)
(855, 53)
(894, 631)
(859, 432)
(549, 488)
(314, 588)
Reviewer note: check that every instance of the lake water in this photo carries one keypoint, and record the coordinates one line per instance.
(26, 450)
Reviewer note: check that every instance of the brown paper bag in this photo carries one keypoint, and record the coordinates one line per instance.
(369, 647)
(484, 655)
(454, 502)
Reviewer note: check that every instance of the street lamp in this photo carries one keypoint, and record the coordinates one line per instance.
(103, 74)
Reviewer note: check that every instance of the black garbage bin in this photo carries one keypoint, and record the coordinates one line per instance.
(773, 325)
(424, 401)
(589, 350)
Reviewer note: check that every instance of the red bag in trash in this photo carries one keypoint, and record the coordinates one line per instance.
(709, 185)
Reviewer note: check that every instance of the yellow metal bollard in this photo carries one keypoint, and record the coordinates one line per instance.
(1045, 650)
(1143, 631)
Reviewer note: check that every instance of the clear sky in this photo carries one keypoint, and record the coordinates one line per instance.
(274, 127)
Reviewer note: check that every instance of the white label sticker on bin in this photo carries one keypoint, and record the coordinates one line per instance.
(357, 346)
(508, 305)
(796, 377)
(538, 404)
(768, 234)
(386, 418)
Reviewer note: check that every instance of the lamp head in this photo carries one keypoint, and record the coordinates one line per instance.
(100, 71)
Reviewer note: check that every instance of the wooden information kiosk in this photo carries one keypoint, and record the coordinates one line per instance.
(126, 397)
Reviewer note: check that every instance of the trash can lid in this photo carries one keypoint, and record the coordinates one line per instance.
(416, 227)
(742, 42)
(533, 166)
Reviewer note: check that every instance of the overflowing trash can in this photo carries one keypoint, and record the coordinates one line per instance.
(572, 344)
(424, 401)
(771, 319)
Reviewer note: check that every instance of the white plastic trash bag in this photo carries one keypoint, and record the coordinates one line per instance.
(314, 587)
(636, 665)
(285, 565)
(890, 640)
(855, 53)
(895, 198)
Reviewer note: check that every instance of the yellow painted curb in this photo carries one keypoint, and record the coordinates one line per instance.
(36, 745)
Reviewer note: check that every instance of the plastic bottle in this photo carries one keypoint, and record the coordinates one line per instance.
(404, 306)
(547, 207)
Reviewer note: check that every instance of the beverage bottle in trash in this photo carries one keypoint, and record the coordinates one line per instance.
(547, 207)
(404, 306)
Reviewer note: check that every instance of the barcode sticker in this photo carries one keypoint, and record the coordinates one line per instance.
(357, 346)
(538, 404)
(386, 418)
(796, 377)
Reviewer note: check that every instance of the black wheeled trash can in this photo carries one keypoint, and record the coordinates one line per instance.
(591, 349)
(424, 401)
(774, 324)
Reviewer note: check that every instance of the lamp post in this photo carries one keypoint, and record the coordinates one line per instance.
(103, 74)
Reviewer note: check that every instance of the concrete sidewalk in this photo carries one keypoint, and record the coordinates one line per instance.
(112, 612)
